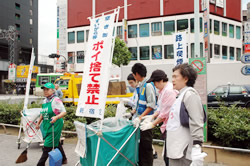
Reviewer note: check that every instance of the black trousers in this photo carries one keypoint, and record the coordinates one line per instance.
(166, 159)
(145, 148)
(45, 154)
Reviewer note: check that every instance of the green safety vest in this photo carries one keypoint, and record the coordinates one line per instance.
(47, 114)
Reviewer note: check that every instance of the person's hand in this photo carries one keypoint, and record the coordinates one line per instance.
(197, 156)
(147, 118)
(37, 126)
(146, 126)
(53, 119)
(127, 115)
(136, 122)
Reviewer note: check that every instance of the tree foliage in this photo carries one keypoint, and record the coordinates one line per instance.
(121, 55)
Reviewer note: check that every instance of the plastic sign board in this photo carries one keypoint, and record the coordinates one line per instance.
(97, 66)
(245, 58)
(180, 48)
(247, 47)
(12, 72)
(245, 70)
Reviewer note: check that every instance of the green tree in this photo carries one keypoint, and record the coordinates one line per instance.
(121, 55)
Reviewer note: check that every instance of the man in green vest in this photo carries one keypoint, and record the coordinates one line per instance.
(52, 112)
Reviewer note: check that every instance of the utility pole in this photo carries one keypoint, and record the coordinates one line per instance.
(196, 28)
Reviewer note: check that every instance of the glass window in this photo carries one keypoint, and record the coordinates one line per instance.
(169, 27)
(224, 29)
(201, 49)
(31, 21)
(18, 37)
(43, 80)
(31, 2)
(192, 50)
(231, 31)
(119, 32)
(31, 13)
(30, 41)
(231, 51)
(144, 53)
(220, 91)
(236, 90)
(17, 16)
(238, 54)
(211, 51)
(18, 27)
(133, 51)
(80, 56)
(87, 35)
(182, 24)
(17, 6)
(216, 49)
(192, 25)
(156, 29)
(238, 32)
(216, 27)
(157, 52)
(144, 30)
(70, 57)
(71, 37)
(169, 51)
(132, 31)
(80, 36)
(210, 25)
(224, 52)
(62, 82)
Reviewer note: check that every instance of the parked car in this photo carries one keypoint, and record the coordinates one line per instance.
(230, 95)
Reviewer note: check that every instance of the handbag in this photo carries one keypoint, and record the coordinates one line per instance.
(184, 117)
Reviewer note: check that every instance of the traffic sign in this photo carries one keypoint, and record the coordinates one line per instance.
(245, 58)
(245, 70)
(199, 64)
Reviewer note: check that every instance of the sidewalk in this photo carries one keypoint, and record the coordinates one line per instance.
(9, 153)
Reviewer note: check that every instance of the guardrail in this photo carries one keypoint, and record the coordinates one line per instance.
(154, 140)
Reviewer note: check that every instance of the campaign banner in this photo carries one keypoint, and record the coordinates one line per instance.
(180, 48)
(96, 72)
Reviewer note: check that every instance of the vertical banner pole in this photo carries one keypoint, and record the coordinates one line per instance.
(32, 59)
(116, 11)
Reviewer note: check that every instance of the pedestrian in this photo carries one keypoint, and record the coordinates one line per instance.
(186, 120)
(132, 102)
(167, 97)
(58, 92)
(145, 106)
(52, 112)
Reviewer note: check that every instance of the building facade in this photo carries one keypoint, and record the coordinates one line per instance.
(23, 15)
(151, 25)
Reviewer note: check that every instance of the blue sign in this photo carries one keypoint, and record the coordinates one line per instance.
(245, 58)
(245, 70)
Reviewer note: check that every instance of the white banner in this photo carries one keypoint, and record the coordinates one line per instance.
(180, 48)
(32, 60)
(81, 147)
(96, 73)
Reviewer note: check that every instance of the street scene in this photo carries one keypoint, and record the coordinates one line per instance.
(142, 82)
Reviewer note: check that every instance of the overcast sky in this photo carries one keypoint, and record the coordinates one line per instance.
(47, 26)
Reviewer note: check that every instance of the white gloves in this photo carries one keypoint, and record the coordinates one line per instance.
(146, 126)
(147, 118)
(136, 122)
(127, 115)
(197, 156)
(124, 100)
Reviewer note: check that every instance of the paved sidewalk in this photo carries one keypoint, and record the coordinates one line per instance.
(9, 153)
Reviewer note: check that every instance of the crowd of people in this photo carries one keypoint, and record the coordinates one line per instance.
(175, 106)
